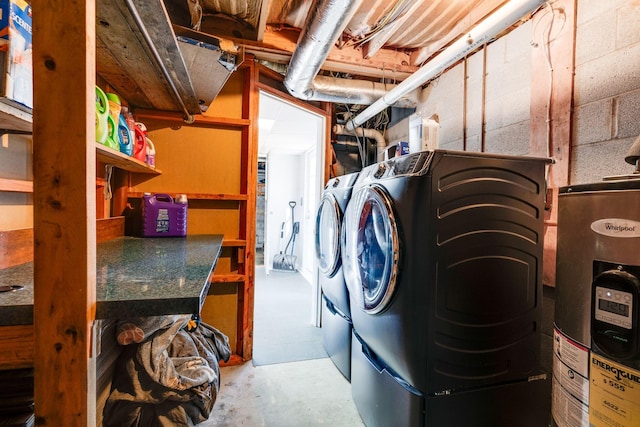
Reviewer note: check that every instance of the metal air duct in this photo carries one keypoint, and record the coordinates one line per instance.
(325, 23)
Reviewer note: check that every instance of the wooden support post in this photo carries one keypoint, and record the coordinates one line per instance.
(551, 114)
(64, 163)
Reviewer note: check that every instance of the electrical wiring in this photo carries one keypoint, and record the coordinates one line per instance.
(396, 12)
(108, 173)
(546, 44)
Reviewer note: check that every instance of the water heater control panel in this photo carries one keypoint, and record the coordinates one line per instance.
(614, 307)
(615, 328)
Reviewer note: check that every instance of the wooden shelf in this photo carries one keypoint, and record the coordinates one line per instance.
(227, 278)
(15, 118)
(238, 243)
(122, 161)
(16, 185)
(198, 119)
(199, 196)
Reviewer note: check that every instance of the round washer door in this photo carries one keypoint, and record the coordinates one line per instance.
(370, 248)
(328, 224)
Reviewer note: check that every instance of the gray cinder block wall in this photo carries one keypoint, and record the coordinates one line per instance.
(606, 117)
(606, 88)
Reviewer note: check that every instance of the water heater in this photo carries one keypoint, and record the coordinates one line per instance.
(596, 366)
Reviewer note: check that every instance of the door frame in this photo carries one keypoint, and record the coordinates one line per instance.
(271, 82)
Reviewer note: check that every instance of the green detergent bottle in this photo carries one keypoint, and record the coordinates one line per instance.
(102, 114)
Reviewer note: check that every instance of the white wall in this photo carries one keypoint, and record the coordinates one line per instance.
(284, 184)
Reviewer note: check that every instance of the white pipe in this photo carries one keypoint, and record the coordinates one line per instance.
(497, 22)
(367, 133)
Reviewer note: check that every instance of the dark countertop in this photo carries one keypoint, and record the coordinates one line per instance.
(135, 277)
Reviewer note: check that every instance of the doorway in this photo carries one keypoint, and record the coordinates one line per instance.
(290, 171)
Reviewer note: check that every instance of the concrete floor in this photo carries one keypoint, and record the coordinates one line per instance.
(307, 393)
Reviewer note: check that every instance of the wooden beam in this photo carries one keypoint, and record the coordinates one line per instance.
(279, 44)
(551, 114)
(64, 211)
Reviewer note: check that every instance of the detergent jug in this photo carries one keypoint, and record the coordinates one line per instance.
(151, 153)
(140, 146)
(102, 112)
(164, 217)
(112, 134)
(125, 138)
(114, 106)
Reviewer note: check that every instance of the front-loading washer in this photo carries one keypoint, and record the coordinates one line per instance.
(442, 253)
(336, 315)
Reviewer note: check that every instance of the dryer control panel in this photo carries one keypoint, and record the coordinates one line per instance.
(615, 329)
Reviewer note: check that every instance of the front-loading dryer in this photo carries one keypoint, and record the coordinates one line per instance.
(442, 253)
(336, 315)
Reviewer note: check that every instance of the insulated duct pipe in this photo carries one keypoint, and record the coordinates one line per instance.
(497, 22)
(325, 23)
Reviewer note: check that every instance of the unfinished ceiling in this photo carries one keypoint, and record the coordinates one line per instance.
(382, 40)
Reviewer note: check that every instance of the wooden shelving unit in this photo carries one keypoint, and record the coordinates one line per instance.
(13, 118)
(16, 185)
(123, 161)
(200, 196)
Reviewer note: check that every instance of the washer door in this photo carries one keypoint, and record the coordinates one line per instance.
(328, 224)
(370, 249)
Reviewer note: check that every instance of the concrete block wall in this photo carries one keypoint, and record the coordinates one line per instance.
(606, 89)
(504, 76)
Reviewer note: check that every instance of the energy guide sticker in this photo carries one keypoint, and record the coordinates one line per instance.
(614, 394)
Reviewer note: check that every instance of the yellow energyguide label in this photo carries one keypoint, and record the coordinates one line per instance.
(614, 394)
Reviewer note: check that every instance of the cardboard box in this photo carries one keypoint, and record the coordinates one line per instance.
(16, 71)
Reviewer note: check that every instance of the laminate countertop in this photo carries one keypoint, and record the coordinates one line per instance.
(135, 277)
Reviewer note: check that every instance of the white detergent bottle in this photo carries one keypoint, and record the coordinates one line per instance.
(151, 154)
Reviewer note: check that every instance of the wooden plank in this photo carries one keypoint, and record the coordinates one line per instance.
(15, 118)
(198, 196)
(234, 243)
(16, 247)
(16, 185)
(16, 347)
(123, 161)
(279, 44)
(227, 278)
(198, 119)
(64, 212)
(109, 228)
(551, 136)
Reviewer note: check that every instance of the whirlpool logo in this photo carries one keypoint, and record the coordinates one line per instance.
(616, 227)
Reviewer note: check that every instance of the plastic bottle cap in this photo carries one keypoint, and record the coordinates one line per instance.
(113, 97)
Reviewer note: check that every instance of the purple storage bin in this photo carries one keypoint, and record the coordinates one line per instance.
(163, 217)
